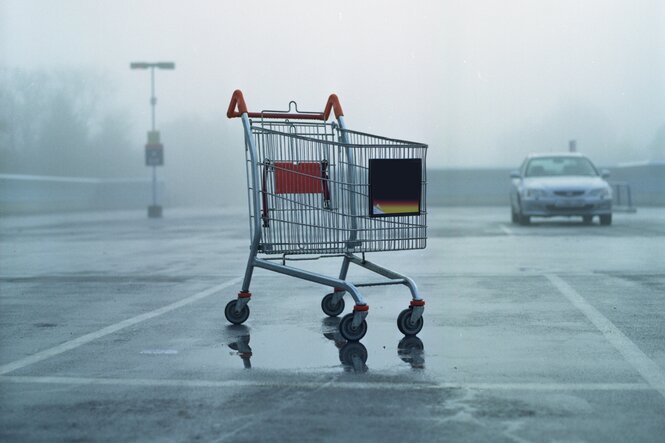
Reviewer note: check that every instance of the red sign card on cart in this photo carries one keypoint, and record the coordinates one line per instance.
(298, 178)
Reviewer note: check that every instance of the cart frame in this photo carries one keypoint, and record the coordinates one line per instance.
(352, 326)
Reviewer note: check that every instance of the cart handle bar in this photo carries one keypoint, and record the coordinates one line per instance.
(238, 107)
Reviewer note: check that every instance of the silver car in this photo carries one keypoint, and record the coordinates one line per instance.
(548, 185)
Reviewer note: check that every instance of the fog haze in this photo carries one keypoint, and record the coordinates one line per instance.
(482, 82)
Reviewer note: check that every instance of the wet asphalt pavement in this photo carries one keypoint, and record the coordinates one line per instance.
(112, 329)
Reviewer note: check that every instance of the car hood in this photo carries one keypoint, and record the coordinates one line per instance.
(565, 182)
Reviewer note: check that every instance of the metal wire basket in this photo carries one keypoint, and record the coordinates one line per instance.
(315, 190)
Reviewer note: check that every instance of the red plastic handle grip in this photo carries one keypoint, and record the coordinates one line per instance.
(238, 107)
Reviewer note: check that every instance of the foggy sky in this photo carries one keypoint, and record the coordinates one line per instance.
(482, 82)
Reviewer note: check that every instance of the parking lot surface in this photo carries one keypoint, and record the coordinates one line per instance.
(112, 329)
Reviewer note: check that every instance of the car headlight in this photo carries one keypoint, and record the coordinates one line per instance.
(601, 193)
(534, 193)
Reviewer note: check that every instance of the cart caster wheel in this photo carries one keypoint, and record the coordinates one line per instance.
(406, 326)
(237, 318)
(348, 331)
(331, 309)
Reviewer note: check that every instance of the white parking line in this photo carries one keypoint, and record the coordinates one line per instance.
(646, 367)
(506, 229)
(332, 383)
(80, 341)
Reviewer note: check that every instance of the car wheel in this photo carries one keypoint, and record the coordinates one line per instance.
(513, 215)
(587, 219)
(606, 219)
(523, 219)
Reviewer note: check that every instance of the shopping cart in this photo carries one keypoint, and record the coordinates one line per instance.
(318, 188)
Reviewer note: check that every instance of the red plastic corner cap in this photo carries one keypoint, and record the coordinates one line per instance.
(417, 302)
(244, 294)
(333, 105)
(361, 308)
(237, 102)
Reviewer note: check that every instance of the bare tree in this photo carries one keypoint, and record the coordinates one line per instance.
(59, 123)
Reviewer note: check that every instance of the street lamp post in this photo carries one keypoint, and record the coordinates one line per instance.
(154, 150)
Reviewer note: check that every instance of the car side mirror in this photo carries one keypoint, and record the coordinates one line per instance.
(515, 174)
(605, 173)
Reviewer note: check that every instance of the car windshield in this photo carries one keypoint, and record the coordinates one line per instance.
(556, 166)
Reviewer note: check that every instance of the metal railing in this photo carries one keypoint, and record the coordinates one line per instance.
(622, 198)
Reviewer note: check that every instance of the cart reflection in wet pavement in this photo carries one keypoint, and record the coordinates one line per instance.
(412, 351)
(241, 346)
(352, 354)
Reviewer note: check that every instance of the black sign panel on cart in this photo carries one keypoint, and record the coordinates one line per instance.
(395, 187)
